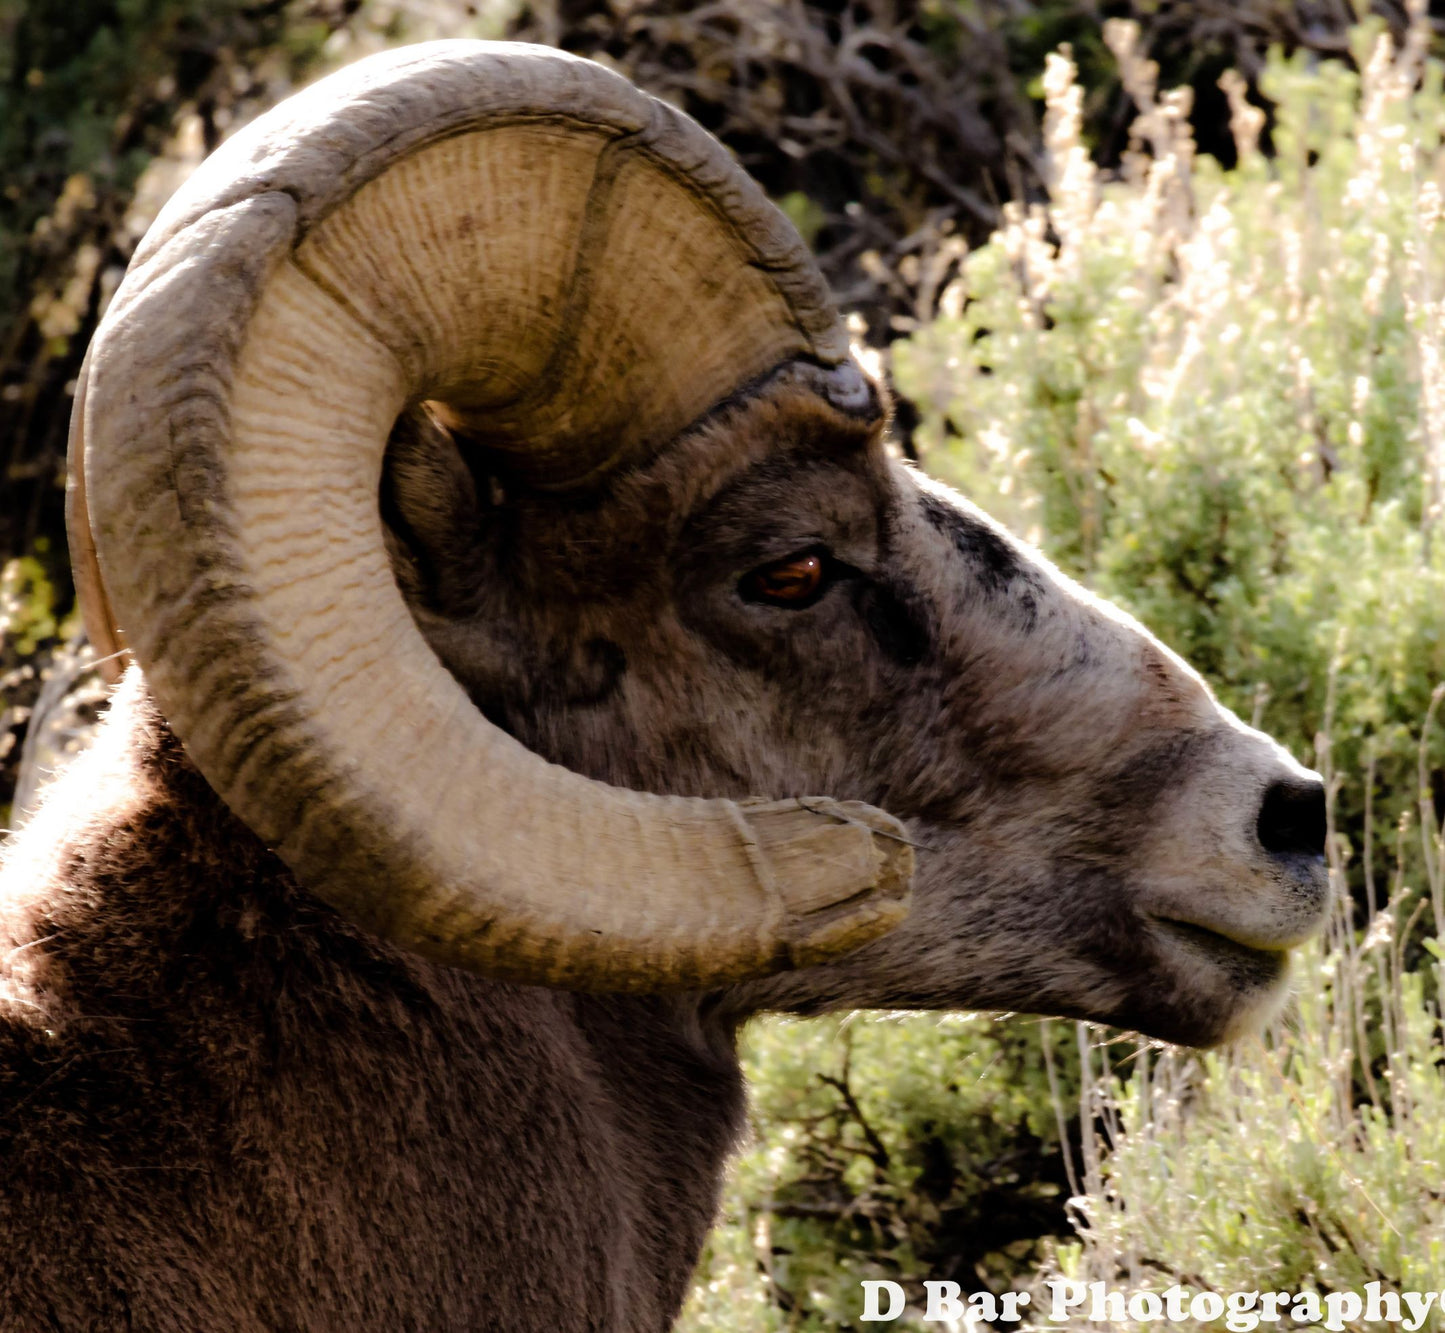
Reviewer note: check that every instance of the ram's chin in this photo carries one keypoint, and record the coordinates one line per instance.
(1209, 989)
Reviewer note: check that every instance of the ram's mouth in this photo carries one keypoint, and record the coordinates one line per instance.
(1260, 963)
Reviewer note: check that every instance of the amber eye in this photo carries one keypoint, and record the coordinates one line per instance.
(795, 582)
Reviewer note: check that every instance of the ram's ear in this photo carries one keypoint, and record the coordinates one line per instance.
(433, 517)
(435, 512)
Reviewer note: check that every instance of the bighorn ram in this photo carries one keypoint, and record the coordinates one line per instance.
(531, 631)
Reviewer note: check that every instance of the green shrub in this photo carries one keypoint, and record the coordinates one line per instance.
(901, 1146)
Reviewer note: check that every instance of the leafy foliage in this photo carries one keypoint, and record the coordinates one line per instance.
(902, 1146)
(91, 92)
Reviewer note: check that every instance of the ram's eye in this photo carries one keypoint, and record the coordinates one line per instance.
(797, 581)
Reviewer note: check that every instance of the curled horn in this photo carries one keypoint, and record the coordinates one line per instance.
(574, 272)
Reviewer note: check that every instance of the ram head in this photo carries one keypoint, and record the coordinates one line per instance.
(475, 464)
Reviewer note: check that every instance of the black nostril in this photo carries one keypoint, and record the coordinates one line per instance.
(1292, 819)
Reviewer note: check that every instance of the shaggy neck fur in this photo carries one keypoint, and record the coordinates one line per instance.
(215, 1095)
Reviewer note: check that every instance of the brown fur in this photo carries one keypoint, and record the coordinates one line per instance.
(223, 1107)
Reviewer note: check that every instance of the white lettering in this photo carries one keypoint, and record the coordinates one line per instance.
(1099, 1303)
(1269, 1303)
(1145, 1306)
(1012, 1300)
(982, 1309)
(1419, 1307)
(1066, 1296)
(1375, 1313)
(871, 1292)
(943, 1302)
(1340, 1308)
(1206, 1305)
(1105, 1307)
(1241, 1317)
(1174, 1304)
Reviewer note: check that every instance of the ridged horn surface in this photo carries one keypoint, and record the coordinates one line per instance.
(574, 271)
